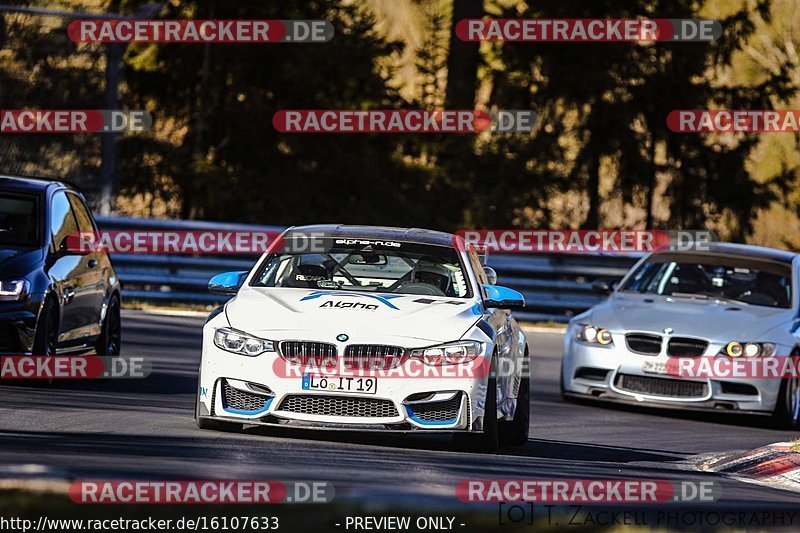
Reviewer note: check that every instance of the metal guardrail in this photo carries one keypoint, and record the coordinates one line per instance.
(556, 286)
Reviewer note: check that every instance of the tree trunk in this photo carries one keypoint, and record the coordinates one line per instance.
(462, 59)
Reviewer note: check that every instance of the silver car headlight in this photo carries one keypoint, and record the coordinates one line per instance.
(241, 343)
(594, 335)
(748, 349)
(452, 353)
(12, 290)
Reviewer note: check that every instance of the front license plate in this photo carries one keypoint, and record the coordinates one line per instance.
(340, 384)
(654, 367)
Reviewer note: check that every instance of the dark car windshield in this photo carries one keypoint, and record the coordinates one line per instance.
(362, 265)
(19, 220)
(747, 280)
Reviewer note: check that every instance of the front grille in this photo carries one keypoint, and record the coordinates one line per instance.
(675, 388)
(308, 352)
(372, 356)
(242, 401)
(446, 411)
(338, 406)
(686, 347)
(643, 344)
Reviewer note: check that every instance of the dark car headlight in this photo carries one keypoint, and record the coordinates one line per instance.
(13, 290)
(241, 343)
(594, 335)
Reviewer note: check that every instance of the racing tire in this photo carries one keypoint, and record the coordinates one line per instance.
(787, 407)
(515, 432)
(45, 340)
(109, 343)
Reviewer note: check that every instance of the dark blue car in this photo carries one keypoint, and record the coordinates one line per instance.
(53, 300)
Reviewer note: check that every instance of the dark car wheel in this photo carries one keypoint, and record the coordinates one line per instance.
(787, 408)
(110, 341)
(45, 340)
(515, 432)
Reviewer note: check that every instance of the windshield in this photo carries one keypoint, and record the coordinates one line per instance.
(742, 279)
(19, 220)
(376, 266)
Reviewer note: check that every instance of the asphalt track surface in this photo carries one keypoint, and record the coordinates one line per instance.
(144, 429)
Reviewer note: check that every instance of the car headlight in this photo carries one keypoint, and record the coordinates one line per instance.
(14, 289)
(748, 349)
(234, 341)
(594, 335)
(453, 353)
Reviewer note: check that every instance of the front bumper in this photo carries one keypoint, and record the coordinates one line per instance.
(616, 374)
(18, 325)
(260, 391)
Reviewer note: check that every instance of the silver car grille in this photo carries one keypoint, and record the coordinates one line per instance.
(338, 406)
(674, 388)
(643, 343)
(686, 347)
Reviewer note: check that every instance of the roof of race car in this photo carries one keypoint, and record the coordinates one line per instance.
(747, 250)
(385, 233)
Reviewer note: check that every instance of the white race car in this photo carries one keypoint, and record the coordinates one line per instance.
(367, 328)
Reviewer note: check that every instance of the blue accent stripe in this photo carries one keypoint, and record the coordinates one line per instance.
(413, 417)
(244, 412)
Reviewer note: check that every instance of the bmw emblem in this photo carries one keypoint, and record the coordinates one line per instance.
(341, 337)
(667, 331)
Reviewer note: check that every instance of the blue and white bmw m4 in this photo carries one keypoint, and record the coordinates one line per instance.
(367, 328)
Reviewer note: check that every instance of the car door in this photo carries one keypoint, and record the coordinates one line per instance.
(505, 342)
(68, 273)
(95, 267)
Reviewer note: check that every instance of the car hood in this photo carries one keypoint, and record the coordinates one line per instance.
(18, 262)
(707, 319)
(306, 314)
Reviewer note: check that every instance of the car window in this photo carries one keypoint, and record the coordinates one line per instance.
(752, 282)
(19, 220)
(62, 219)
(81, 214)
(374, 266)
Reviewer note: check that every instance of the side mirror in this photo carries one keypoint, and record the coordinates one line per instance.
(601, 287)
(499, 297)
(227, 283)
(491, 275)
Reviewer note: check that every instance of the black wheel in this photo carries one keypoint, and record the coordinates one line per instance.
(45, 341)
(787, 407)
(515, 432)
(110, 340)
(488, 440)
